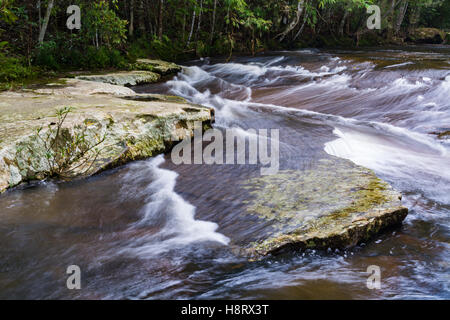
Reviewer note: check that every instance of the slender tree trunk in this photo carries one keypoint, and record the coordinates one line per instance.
(160, 22)
(44, 26)
(184, 20)
(148, 25)
(141, 16)
(302, 27)
(199, 19)
(192, 26)
(40, 16)
(401, 16)
(390, 20)
(293, 24)
(342, 24)
(213, 22)
(131, 26)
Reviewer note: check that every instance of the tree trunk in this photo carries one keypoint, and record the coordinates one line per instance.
(141, 17)
(293, 24)
(302, 27)
(213, 22)
(342, 24)
(131, 26)
(44, 26)
(40, 15)
(192, 26)
(160, 22)
(390, 20)
(199, 19)
(401, 16)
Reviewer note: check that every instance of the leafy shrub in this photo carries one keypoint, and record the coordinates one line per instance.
(165, 49)
(13, 69)
(50, 57)
(97, 58)
(69, 153)
(116, 59)
(47, 55)
(139, 49)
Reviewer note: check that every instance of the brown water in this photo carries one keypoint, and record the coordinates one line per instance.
(153, 229)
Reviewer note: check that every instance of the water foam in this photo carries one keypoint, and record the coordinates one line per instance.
(168, 212)
(397, 159)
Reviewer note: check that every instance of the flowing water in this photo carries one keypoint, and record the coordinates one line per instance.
(156, 230)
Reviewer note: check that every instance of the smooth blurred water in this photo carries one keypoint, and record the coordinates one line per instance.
(153, 229)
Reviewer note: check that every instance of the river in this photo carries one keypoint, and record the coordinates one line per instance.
(155, 230)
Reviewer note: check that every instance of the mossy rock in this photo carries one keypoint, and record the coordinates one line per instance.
(427, 35)
(126, 78)
(336, 204)
(161, 67)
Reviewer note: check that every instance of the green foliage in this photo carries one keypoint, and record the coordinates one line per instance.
(51, 57)
(47, 55)
(165, 48)
(102, 26)
(6, 12)
(13, 69)
(214, 27)
(139, 49)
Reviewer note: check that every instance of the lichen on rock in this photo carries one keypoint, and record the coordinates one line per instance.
(336, 204)
(123, 78)
(161, 67)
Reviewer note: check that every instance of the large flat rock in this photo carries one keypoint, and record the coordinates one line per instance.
(133, 126)
(336, 204)
(144, 71)
(123, 78)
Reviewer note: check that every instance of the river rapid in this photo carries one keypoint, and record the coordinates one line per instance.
(155, 230)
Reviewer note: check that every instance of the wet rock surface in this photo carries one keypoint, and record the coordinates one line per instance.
(124, 78)
(337, 204)
(143, 71)
(161, 67)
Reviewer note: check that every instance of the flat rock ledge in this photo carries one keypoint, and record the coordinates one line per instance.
(144, 71)
(335, 205)
(163, 68)
(133, 127)
(124, 78)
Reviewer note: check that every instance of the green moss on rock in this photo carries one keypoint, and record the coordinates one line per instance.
(334, 205)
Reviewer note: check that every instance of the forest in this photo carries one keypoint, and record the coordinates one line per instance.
(34, 39)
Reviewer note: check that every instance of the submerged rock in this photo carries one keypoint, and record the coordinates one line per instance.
(337, 204)
(132, 128)
(444, 135)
